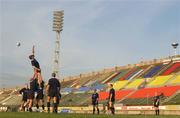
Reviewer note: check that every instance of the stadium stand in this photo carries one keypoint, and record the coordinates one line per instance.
(160, 80)
(120, 84)
(173, 100)
(119, 94)
(152, 71)
(175, 81)
(135, 84)
(145, 96)
(74, 99)
(121, 73)
(172, 69)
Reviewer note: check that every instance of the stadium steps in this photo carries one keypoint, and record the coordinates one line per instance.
(120, 84)
(164, 68)
(122, 73)
(134, 84)
(144, 72)
(131, 71)
(159, 81)
(153, 71)
(174, 99)
(172, 68)
(175, 81)
(6, 99)
(136, 74)
(110, 78)
(125, 97)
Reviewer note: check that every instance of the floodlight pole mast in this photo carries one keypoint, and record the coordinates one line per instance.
(57, 27)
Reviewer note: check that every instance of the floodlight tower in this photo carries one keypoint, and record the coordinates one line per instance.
(175, 45)
(57, 27)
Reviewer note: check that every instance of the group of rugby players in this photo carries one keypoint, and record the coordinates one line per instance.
(35, 90)
(36, 87)
(110, 101)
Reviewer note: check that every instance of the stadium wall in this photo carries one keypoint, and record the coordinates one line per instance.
(164, 110)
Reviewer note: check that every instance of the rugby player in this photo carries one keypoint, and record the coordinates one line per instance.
(24, 93)
(156, 104)
(32, 93)
(40, 96)
(111, 99)
(95, 98)
(53, 90)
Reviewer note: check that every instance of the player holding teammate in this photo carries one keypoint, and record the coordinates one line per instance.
(24, 93)
(40, 96)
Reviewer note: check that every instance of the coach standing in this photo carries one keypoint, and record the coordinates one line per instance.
(53, 90)
(111, 99)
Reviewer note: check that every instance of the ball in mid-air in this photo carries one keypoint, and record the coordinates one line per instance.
(18, 44)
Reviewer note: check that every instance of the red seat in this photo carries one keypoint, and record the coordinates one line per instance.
(172, 68)
(151, 92)
(118, 95)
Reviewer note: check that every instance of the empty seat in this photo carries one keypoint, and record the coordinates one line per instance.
(159, 81)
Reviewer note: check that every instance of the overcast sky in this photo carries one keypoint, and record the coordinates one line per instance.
(97, 34)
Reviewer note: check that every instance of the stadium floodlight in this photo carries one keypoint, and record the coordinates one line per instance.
(175, 45)
(58, 18)
(58, 21)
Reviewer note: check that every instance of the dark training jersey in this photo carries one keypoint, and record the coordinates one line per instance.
(95, 97)
(157, 101)
(112, 92)
(24, 92)
(35, 63)
(54, 84)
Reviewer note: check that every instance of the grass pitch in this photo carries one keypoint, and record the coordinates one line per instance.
(46, 115)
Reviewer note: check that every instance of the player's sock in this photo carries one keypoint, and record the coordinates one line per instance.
(55, 107)
(93, 110)
(43, 107)
(37, 106)
(30, 109)
(113, 110)
(158, 112)
(48, 106)
(98, 110)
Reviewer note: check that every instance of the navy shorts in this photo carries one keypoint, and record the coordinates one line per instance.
(40, 95)
(31, 94)
(53, 93)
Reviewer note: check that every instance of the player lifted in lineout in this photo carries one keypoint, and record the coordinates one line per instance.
(35, 64)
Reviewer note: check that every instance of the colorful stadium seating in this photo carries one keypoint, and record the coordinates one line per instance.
(176, 80)
(160, 80)
(152, 71)
(120, 84)
(130, 72)
(172, 68)
(122, 73)
(151, 92)
(118, 95)
(135, 83)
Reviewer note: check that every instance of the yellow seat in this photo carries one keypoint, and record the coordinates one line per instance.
(120, 84)
(176, 80)
(135, 83)
(160, 80)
